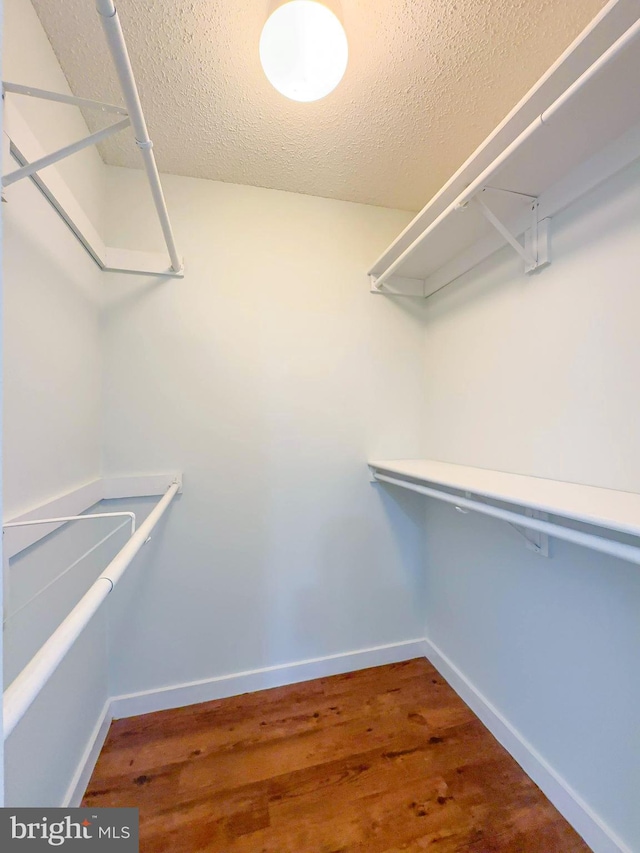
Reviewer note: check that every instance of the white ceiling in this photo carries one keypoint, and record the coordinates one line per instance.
(427, 81)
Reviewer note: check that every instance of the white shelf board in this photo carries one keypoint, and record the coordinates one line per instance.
(585, 126)
(606, 508)
(78, 501)
(605, 28)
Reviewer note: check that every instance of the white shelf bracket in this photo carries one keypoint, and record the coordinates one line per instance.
(535, 250)
(534, 540)
(28, 169)
(536, 241)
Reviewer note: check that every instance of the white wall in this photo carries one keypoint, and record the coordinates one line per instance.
(52, 350)
(52, 431)
(53, 353)
(540, 376)
(268, 375)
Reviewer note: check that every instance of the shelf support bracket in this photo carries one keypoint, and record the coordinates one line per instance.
(29, 169)
(535, 250)
(534, 540)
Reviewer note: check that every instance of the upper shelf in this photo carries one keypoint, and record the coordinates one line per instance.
(20, 143)
(553, 148)
(607, 508)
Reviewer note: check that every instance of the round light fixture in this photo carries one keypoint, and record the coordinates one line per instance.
(303, 50)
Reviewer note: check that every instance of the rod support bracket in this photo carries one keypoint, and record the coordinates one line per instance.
(537, 244)
(533, 539)
(535, 249)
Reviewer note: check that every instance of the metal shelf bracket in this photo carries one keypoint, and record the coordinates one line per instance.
(28, 169)
(534, 539)
(535, 249)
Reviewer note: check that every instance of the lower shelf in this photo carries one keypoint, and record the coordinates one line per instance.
(614, 511)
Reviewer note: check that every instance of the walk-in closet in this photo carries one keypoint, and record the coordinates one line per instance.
(320, 460)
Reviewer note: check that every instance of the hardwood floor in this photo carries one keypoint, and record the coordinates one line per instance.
(376, 761)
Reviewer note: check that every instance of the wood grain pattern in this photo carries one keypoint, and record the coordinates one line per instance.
(383, 760)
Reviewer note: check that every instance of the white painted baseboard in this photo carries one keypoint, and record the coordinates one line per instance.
(191, 693)
(577, 812)
(260, 679)
(81, 777)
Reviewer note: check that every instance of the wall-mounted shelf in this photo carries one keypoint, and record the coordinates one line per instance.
(20, 144)
(583, 136)
(78, 501)
(470, 488)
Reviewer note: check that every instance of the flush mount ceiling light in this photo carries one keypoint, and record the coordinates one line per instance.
(303, 50)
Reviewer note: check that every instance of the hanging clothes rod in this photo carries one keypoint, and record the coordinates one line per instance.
(12, 614)
(115, 39)
(630, 553)
(22, 692)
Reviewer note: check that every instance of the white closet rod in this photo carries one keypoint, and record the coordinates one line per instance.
(631, 553)
(626, 39)
(117, 46)
(22, 692)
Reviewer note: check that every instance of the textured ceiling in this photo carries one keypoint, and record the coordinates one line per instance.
(427, 81)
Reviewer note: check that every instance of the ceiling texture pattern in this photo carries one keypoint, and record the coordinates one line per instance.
(427, 81)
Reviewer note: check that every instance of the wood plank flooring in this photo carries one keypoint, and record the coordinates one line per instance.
(376, 761)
